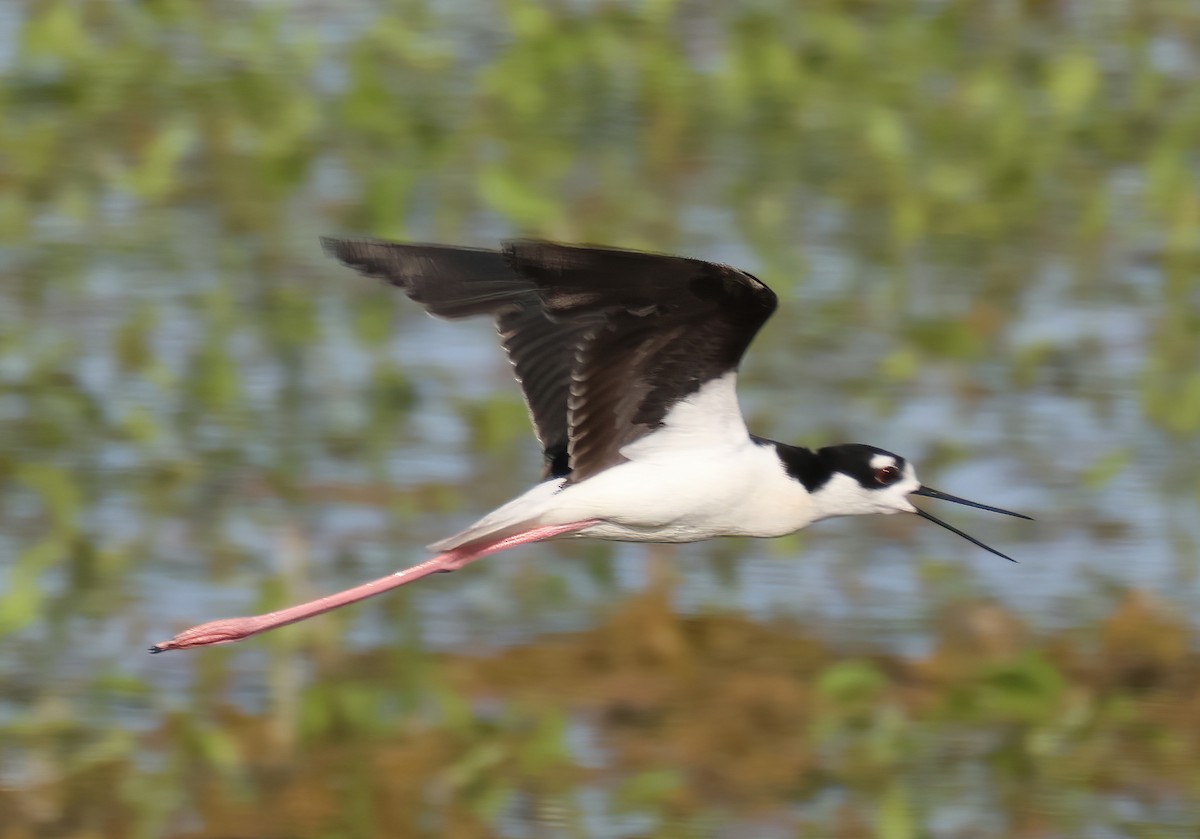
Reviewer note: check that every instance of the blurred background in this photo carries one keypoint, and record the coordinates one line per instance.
(983, 220)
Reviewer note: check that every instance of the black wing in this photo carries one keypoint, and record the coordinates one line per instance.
(667, 325)
(603, 341)
(456, 283)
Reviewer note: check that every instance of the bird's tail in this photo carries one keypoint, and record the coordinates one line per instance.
(520, 514)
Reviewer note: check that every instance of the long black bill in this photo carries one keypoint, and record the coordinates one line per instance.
(929, 492)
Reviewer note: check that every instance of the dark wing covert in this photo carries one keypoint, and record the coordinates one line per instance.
(603, 341)
(668, 325)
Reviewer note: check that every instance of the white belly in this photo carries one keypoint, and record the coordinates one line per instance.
(694, 495)
(697, 477)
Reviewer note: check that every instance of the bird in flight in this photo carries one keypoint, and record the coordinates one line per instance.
(628, 362)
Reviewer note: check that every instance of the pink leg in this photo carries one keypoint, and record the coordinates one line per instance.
(235, 629)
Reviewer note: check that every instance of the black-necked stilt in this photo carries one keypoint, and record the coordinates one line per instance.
(628, 363)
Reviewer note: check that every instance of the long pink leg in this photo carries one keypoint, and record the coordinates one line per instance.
(235, 629)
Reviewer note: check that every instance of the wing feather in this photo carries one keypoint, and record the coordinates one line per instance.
(667, 326)
(603, 342)
(454, 283)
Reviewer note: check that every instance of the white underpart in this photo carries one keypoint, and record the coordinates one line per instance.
(698, 476)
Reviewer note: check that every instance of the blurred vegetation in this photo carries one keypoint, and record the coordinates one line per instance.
(654, 724)
(990, 211)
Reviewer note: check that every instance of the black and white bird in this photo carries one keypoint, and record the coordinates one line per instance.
(628, 363)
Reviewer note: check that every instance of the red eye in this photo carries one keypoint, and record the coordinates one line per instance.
(885, 475)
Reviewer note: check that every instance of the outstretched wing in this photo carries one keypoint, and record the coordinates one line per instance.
(660, 327)
(604, 342)
(454, 283)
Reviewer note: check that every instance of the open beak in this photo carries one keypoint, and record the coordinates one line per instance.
(929, 492)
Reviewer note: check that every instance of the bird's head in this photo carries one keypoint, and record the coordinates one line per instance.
(864, 479)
